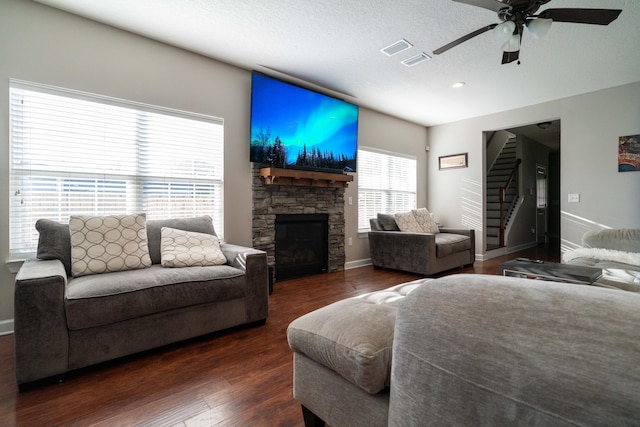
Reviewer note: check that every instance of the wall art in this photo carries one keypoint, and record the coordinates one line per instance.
(453, 161)
(629, 153)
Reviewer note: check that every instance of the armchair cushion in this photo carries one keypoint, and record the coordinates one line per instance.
(447, 244)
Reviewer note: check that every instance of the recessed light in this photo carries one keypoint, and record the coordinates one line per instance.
(458, 84)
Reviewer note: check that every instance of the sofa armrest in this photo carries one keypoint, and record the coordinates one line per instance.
(254, 263)
(40, 324)
(492, 350)
(463, 231)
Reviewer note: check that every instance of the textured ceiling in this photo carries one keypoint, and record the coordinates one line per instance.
(336, 44)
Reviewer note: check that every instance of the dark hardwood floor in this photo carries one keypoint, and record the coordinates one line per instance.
(241, 377)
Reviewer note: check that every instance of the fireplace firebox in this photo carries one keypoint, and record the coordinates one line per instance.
(301, 245)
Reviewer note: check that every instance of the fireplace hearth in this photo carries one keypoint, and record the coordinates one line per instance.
(301, 245)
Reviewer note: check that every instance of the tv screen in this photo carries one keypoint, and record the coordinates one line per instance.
(293, 127)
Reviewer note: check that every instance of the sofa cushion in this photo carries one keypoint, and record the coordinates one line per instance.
(181, 248)
(353, 337)
(102, 299)
(449, 243)
(54, 242)
(387, 222)
(101, 244)
(201, 224)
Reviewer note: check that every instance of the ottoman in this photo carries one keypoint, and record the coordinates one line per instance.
(346, 347)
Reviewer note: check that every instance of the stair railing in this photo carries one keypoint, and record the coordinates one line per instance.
(502, 195)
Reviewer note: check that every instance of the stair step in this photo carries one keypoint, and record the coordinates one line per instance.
(495, 191)
(493, 222)
(503, 166)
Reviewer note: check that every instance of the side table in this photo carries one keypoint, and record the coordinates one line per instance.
(552, 271)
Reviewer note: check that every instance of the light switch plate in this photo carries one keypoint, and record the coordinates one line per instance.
(574, 198)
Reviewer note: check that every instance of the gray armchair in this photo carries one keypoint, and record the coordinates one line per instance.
(421, 253)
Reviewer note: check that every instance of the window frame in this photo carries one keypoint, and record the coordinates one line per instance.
(391, 193)
(206, 188)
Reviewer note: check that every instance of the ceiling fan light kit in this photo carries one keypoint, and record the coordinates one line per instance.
(512, 44)
(504, 31)
(539, 27)
(518, 14)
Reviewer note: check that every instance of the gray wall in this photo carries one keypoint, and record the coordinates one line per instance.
(44, 45)
(591, 124)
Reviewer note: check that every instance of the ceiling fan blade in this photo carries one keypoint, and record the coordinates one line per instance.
(582, 16)
(464, 39)
(494, 5)
(508, 57)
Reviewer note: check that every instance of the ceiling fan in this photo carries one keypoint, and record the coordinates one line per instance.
(518, 14)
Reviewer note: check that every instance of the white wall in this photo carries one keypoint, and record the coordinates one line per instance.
(376, 130)
(590, 126)
(48, 46)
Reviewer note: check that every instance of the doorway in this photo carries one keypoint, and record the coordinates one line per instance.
(535, 215)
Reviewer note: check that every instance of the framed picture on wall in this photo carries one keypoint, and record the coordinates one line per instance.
(453, 161)
(629, 153)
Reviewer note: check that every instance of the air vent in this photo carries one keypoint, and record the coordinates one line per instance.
(396, 47)
(415, 60)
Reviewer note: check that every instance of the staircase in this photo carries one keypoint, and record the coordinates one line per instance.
(497, 177)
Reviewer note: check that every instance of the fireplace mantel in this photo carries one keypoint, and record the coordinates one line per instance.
(301, 178)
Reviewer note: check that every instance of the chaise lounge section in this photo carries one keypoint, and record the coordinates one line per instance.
(471, 350)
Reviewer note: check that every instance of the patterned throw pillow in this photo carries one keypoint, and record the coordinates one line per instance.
(407, 222)
(424, 220)
(179, 248)
(101, 244)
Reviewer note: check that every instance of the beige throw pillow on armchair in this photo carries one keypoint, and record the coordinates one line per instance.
(416, 221)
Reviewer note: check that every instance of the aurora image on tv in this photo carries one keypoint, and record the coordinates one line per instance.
(293, 127)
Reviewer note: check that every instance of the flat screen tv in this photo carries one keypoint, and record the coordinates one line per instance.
(297, 128)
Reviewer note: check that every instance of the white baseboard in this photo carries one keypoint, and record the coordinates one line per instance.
(358, 263)
(494, 253)
(6, 327)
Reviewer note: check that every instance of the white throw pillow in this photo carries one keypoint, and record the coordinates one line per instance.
(407, 222)
(179, 248)
(425, 221)
(101, 244)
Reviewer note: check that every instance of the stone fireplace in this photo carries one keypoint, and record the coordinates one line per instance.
(297, 197)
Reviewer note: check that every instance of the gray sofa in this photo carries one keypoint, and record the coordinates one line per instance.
(471, 350)
(64, 323)
(615, 251)
(421, 253)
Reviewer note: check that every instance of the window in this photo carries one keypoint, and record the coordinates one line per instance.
(79, 154)
(541, 186)
(386, 184)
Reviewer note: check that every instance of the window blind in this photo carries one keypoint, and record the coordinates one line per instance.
(74, 153)
(386, 184)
